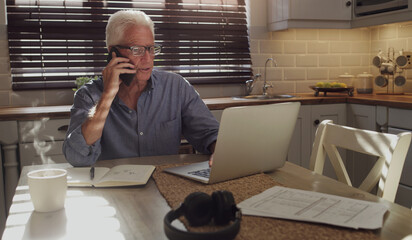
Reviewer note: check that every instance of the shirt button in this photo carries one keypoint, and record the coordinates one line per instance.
(141, 133)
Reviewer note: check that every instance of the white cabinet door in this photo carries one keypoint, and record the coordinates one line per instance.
(358, 164)
(284, 14)
(300, 146)
(335, 112)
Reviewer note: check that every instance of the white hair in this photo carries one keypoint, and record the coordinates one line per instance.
(123, 19)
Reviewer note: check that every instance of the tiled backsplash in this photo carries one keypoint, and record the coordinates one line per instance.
(306, 56)
(303, 56)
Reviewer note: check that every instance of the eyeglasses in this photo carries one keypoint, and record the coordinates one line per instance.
(139, 51)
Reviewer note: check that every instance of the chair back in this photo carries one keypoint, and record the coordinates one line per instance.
(390, 149)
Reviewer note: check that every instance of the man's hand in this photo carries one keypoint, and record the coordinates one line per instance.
(212, 150)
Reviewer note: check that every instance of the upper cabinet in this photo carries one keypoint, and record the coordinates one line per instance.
(284, 14)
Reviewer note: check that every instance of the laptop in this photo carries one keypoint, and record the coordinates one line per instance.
(251, 139)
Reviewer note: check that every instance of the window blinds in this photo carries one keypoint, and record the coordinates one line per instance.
(51, 43)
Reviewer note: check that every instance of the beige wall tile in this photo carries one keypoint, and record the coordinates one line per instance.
(259, 60)
(59, 97)
(4, 65)
(281, 87)
(306, 61)
(317, 73)
(285, 60)
(267, 46)
(295, 47)
(329, 34)
(352, 34)
(5, 82)
(254, 46)
(304, 86)
(405, 30)
(360, 47)
(4, 99)
(398, 44)
(379, 45)
(388, 32)
(340, 47)
(374, 33)
(294, 74)
(232, 90)
(208, 91)
(306, 34)
(27, 98)
(329, 60)
(352, 60)
(289, 34)
(321, 47)
(273, 74)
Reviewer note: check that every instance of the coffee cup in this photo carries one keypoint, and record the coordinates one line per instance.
(47, 189)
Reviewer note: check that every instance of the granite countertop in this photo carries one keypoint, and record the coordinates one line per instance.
(63, 111)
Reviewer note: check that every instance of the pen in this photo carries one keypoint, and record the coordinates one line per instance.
(92, 173)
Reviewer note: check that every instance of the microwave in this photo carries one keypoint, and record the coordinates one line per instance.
(371, 7)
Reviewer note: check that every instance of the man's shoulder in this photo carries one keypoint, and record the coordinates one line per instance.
(92, 89)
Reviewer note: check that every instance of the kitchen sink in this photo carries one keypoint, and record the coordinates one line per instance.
(263, 97)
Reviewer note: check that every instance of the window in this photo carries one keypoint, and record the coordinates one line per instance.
(52, 42)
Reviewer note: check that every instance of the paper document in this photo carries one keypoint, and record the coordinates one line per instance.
(300, 205)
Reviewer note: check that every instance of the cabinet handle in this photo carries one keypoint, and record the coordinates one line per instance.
(63, 128)
(316, 122)
(348, 3)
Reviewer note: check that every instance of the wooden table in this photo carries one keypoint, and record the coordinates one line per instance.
(137, 212)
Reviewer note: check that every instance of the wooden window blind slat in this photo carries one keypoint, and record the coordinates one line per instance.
(51, 43)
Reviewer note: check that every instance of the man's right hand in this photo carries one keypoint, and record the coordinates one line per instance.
(111, 72)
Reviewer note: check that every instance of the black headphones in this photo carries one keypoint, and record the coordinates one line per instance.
(199, 209)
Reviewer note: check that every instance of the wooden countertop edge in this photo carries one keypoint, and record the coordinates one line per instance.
(63, 111)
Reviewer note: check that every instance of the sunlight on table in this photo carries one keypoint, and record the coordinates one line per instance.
(84, 217)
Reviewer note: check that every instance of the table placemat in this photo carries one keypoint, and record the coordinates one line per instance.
(175, 189)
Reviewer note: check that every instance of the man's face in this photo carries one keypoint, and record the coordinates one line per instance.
(139, 36)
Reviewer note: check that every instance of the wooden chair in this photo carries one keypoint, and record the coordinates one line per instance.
(390, 149)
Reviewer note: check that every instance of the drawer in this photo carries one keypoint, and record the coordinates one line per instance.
(44, 130)
(52, 153)
(400, 118)
(404, 196)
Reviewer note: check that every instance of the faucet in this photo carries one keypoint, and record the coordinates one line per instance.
(250, 83)
(265, 85)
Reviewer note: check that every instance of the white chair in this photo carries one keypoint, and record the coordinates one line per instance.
(390, 149)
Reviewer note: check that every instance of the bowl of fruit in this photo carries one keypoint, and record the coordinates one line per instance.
(326, 87)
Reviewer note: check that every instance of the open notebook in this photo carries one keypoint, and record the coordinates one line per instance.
(251, 139)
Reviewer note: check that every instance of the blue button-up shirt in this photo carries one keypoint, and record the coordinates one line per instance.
(168, 108)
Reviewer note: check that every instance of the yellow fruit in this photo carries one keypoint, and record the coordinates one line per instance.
(327, 85)
(343, 85)
(320, 84)
(336, 85)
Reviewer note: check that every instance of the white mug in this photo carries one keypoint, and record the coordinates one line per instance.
(48, 189)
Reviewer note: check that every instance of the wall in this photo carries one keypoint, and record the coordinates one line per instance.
(306, 56)
(303, 56)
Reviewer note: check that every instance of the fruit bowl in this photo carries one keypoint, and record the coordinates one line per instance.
(332, 89)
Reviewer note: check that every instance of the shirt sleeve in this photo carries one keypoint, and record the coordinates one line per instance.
(75, 148)
(199, 126)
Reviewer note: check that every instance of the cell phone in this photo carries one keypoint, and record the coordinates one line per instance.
(126, 78)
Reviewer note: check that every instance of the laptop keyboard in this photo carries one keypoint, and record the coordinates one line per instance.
(201, 173)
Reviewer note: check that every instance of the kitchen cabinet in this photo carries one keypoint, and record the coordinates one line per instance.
(358, 165)
(300, 146)
(9, 161)
(284, 14)
(399, 120)
(41, 141)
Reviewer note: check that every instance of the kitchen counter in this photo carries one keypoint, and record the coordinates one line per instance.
(396, 101)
